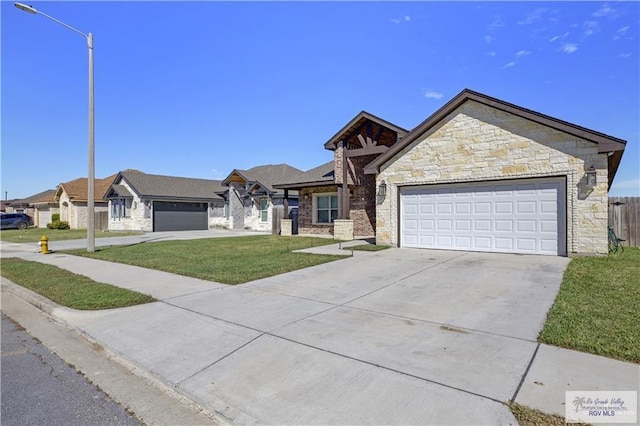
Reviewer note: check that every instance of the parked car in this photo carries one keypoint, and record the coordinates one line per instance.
(15, 220)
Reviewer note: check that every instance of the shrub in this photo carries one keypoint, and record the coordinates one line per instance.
(61, 224)
(55, 217)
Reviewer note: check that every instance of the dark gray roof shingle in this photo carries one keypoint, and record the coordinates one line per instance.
(322, 173)
(158, 186)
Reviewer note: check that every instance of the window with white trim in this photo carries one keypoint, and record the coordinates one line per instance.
(325, 208)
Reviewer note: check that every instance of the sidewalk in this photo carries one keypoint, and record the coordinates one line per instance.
(228, 330)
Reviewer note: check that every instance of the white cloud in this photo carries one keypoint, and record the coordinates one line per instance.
(509, 64)
(604, 10)
(621, 32)
(522, 53)
(554, 38)
(590, 27)
(624, 55)
(569, 47)
(432, 94)
(533, 17)
(405, 18)
(492, 53)
(488, 39)
(496, 23)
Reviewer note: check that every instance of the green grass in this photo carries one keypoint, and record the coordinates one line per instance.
(232, 260)
(32, 235)
(529, 417)
(69, 289)
(597, 308)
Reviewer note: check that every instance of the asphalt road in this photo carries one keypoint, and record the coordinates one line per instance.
(39, 388)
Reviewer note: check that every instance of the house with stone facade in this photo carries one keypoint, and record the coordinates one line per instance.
(251, 199)
(341, 201)
(72, 200)
(146, 202)
(479, 174)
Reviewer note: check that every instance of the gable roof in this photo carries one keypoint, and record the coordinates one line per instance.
(166, 187)
(47, 196)
(44, 197)
(605, 143)
(77, 189)
(318, 176)
(266, 176)
(350, 126)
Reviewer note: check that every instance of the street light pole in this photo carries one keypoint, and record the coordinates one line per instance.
(91, 230)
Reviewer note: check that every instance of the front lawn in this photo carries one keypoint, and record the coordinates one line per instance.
(32, 235)
(69, 289)
(598, 307)
(232, 260)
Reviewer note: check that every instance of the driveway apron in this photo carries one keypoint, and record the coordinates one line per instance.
(399, 336)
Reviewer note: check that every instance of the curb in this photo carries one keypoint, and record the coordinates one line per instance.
(57, 313)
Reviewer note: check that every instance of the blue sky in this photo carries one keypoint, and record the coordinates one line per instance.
(197, 89)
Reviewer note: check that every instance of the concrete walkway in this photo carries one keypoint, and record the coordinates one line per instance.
(391, 337)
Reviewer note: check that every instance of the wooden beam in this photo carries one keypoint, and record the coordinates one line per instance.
(285, 203)
(344, 210)
(370, 150)
(362, 141)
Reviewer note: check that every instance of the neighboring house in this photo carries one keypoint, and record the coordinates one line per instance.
(19, 206)
(5, 205)
(479, 174)
(42, 206)
(72, 199)
(145, 202)
(252, 202)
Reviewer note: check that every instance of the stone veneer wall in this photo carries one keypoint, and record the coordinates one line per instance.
(137, 220)
(476, 143)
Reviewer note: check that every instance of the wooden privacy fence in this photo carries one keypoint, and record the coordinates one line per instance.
(101, 221)
(623, 217)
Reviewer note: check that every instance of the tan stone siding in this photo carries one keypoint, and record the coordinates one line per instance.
(477, 143)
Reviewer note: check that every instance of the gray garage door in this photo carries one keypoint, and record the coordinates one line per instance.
(169, 216)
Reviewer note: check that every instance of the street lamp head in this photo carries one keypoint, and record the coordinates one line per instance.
(26, 7)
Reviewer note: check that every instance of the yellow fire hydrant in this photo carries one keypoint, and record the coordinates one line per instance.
(44, 245)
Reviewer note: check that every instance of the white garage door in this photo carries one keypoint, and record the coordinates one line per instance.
(526, 216)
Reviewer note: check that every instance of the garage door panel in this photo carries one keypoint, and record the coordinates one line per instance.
(180, 216)
(427, 225)
(482, 225)
(510, 216)
(548, 207)
(482, 208)
(464, 243)
(525, 226)
(482, 243)
(463, 225)
(426, 241)
(503, 225)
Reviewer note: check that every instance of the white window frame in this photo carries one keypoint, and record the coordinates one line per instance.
(315, 207)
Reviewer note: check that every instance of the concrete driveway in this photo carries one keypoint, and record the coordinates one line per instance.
(395, 337)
